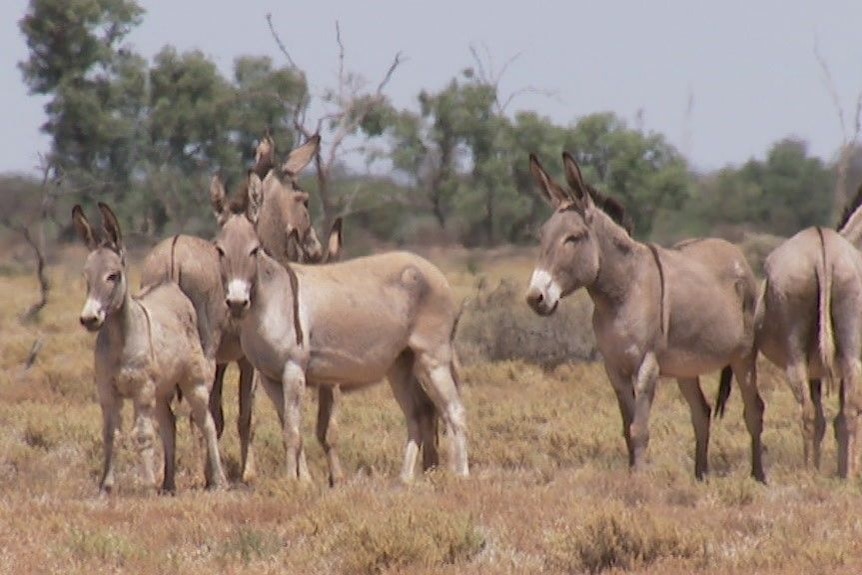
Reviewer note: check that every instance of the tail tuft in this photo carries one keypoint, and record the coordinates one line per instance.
(724, 389)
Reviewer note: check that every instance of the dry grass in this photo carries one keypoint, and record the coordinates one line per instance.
(549, 491)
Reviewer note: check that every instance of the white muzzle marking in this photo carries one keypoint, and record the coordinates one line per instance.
(93, 309)
(238, 291)
(545, 284)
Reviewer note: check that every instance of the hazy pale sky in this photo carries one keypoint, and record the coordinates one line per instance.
(749, 67)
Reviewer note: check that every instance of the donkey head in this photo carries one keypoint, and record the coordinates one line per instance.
(104, 270)
(237, 243)
(569, 256)
(286, 207)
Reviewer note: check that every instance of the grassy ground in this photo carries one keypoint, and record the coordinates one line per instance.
(549, 491)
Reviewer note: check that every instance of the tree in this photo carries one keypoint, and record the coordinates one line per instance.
(351, 110)
(78, 58)
(642, 170)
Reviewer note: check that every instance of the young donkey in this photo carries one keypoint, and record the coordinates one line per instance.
(658, 312)
(347, 324)
(192, 262)
(146, 348)
(809, 323)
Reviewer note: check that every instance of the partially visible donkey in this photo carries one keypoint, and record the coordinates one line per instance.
(147, 347)
(192, 262)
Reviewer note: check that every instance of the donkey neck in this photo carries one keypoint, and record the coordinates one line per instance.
(275, 298)
(128, 327)
(619, 258)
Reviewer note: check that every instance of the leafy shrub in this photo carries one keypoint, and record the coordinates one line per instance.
(409, 537)
(500, 326)
(619, 538)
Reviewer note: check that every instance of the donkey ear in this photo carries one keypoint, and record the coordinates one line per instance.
(218, 198)
(301, 156)
(83, 227)
(550, 190)
(333, 248)
(111, 227)
(264, 156)
(574, 176)
(255, 198)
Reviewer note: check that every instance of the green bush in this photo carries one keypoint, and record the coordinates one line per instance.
(499, 326)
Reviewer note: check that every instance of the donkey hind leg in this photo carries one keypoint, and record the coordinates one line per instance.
(215, 398)
(626, 400)
(428, 419)
(434, 371)
(168, 432)
(745, 372)
(700, 419)
(111, 405)
(644, 389)
(797, 378)
(328, 400)
(400, 377)
(144, 432)
(197, 395)
(247, 387)
(847, 420)
(815, 388)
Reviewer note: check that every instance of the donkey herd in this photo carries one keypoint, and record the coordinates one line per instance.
(266, 295)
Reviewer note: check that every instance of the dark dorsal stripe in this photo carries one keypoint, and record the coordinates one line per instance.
(294, 287)
(173, 258)
(849, 209)
(654, 251)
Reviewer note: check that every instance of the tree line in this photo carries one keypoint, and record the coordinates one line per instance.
(145, 136)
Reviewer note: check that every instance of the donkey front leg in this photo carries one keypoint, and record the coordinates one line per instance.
(644, 388)
(247, 386)
(111, 405)
(293, 385)
(626, 400)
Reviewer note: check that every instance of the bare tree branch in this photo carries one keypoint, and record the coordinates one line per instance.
(278, 41)
(397, 61)
(848, 139)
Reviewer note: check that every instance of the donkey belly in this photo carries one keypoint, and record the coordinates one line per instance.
(703, 346)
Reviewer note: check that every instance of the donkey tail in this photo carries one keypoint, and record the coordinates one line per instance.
(826, 334)
(724, 389)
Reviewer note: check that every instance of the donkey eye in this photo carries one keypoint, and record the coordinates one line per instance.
(114, 277)
(254, 251)
(574, 238)
(219, 251)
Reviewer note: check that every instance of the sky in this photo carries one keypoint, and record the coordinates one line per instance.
(722, 80)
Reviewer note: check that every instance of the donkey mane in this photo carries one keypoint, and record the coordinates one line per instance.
(612, 207)
(849, 209)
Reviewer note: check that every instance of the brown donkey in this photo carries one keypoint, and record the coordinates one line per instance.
(658, 312)
(147, 347)
(347, 324)
(193, 263)
(809, 323)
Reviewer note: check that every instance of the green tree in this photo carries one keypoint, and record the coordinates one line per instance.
(77, 57)
(267, 99)
(642, 170)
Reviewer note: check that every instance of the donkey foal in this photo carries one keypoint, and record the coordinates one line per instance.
(146, 348)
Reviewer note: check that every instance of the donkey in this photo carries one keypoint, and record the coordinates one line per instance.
(809, 323)
(658, 312)
(348, 324)
(193, 264)
(147, 347)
